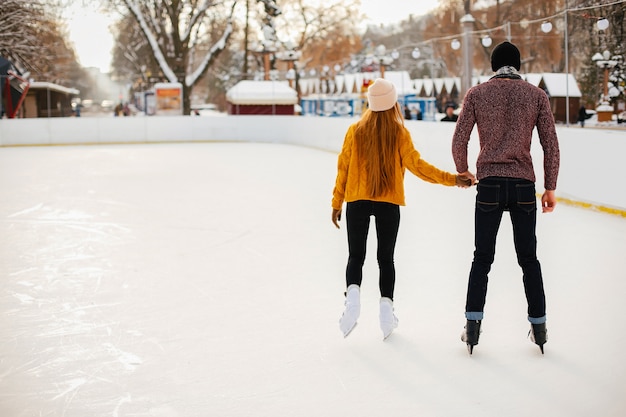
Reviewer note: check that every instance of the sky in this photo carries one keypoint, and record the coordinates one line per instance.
(393, 11)
(89, 30)
(206, 279)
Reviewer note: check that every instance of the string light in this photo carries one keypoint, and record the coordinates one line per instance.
(603, 23)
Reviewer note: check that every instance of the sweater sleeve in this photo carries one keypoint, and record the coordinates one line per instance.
(343, 163)
(412, 160)
(462, 132)
(549, 143)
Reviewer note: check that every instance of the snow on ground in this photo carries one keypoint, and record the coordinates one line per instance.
(193, 280)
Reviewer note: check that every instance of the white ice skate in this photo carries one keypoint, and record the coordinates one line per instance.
(347, 322)
(388, 320)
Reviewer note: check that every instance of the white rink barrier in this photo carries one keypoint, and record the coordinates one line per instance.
(591, 159)
(323, 133)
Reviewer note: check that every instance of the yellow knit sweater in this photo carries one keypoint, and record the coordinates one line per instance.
(351, 183)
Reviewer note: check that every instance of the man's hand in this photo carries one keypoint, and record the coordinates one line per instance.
(336, 217)
(548, 201)
(468, 176)
(463, 182)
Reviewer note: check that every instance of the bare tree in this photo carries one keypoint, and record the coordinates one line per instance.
(132, 58)
(586, 40)
(308, 22)
(324, 31)
(184, 36)
(32, 37)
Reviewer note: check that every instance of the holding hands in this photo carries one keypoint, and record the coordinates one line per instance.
(465, 179)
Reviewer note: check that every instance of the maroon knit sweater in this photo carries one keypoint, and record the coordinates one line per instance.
(505, 112)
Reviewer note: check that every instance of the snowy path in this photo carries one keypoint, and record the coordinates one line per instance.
(198, 280)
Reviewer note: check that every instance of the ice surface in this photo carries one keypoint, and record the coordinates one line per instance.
(194, 280)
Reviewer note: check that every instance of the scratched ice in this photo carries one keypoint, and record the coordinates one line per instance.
(197, 280)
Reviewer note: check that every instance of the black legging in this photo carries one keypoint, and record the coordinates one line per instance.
(387, 222)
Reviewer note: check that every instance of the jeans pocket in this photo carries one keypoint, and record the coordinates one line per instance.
(526, 198)
(487, 197)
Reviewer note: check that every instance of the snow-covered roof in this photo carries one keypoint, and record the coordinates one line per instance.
(533, 78)
(43, 85)
(402, 81)
(451, 82)
(339, 85)
(557, 84)
(309, 85)
(418, 84)
(349, 82)
(438, 84)
(428, 85)
(262, 92)
(561, 85)
(480, 79)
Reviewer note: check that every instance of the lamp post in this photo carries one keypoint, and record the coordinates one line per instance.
(604, 109)
(430, 60)
(429, 108)
(605, 61)
(265, 49)
(466, 81)
(546, 27)
(290, 56)
(383, 59)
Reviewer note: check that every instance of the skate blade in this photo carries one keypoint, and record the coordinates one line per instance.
(346, 334)
(531, 336)
(394, 326)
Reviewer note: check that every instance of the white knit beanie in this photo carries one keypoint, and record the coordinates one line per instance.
(381, 95)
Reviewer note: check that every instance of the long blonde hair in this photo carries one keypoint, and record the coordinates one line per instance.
(377, 140)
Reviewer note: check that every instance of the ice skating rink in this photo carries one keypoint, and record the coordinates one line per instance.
(206, 279)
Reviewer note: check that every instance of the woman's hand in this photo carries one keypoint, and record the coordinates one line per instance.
(465, 179)
(336, 217)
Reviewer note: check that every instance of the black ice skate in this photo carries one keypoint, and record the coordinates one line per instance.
(539, 335)
(471, 334)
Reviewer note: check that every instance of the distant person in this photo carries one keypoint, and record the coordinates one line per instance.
(450, 116)
(418, 113)
(370, 179)
(582, 115)
(118, 110)
(506, 109)
(407, 112)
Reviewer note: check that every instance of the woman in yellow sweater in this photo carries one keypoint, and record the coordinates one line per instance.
(370, 179)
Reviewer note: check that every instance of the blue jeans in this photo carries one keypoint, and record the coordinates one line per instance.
(387, 217)
(496, 195)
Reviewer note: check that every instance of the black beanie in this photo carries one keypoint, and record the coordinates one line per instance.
(505, 54)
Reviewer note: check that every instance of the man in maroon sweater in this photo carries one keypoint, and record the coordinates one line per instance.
(505, 110)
